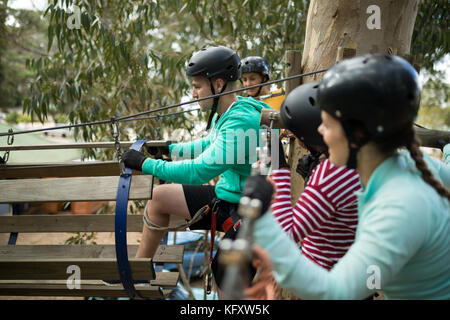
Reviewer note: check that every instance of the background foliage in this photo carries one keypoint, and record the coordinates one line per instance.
(130, 56)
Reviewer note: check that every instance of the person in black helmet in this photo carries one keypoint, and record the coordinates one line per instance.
(325, 216)
(256, 70)
(328, 198)
(221, 154)
(369, 104)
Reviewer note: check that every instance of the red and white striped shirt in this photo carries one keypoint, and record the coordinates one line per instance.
(325, 216)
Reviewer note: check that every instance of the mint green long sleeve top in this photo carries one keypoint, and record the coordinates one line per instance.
(227, 151)
(402, 243)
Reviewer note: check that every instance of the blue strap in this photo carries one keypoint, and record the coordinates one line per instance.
(13, 235)
(121, 228)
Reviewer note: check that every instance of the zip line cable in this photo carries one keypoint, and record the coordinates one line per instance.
(130, 117)
(160, 116)
(222, 94)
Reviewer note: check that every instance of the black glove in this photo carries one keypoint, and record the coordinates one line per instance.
(306, 164)
(133, 159)
(257, 187)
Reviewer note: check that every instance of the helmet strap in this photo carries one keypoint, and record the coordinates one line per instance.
(352, 161)
(260, 87)
(258, 92)
(215, 103)
(354, 144)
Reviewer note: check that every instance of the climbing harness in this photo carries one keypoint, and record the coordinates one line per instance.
(272, 95)
(208, 277)
(237, 254)
(197, 217)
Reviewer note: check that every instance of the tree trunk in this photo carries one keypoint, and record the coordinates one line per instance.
(385, 27)
(293, 67)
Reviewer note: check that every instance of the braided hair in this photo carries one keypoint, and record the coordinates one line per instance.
(407, 138)
(427, 176)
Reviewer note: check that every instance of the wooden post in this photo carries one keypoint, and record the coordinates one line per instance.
(293, 60)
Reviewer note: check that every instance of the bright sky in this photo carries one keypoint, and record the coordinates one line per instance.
(444, 65)
(28, 4)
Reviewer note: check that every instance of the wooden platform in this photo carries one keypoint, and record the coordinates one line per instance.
(51, 270)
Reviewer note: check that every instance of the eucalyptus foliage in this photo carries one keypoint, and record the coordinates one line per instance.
(130, 56)
(430, 40)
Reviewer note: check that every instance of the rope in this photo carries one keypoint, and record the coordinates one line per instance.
(197, 217)
(119, 119)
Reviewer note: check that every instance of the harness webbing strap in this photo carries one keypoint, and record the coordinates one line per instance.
(123, 265)
(13, 235)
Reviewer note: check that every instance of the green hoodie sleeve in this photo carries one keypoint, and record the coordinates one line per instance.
(189, 150)
(223, 153)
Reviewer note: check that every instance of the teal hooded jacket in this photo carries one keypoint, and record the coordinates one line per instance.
(227, 151)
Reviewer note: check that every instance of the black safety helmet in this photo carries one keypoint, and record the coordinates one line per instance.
(215, 61)
(379, 92)
(301, 115)
(258, 65)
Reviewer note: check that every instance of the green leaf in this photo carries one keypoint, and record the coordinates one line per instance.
(143, 96)
(50, 37)
(25, 105)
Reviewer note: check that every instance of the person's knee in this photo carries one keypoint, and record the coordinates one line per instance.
(158, 195)
(155, 204)
(161, 199)
(167, 200)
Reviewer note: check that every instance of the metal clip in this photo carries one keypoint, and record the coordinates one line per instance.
(116, 133)
(208, 282)
(10, 137)
(10, 141)
(215, 204)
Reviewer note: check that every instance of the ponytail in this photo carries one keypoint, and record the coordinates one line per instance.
(407, 138)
